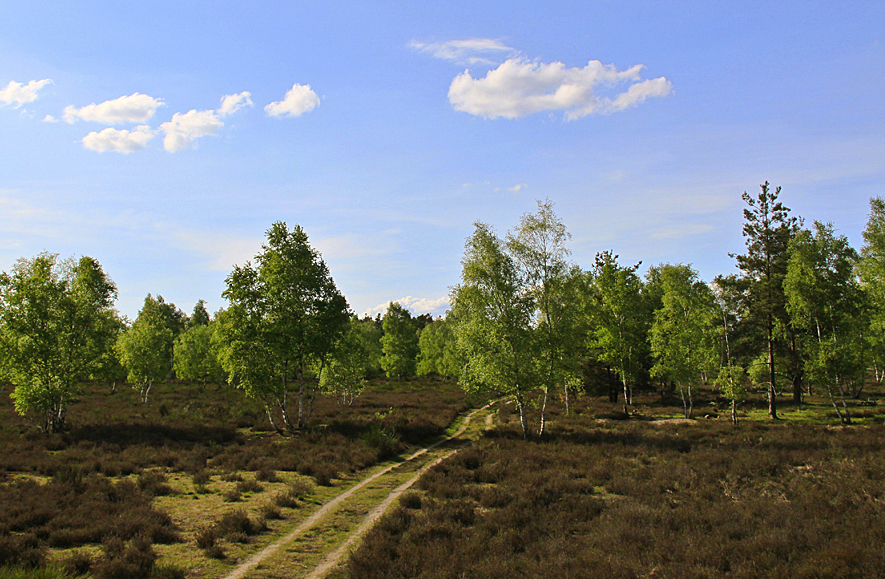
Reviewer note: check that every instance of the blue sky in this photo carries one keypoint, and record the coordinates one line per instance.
(164, 138)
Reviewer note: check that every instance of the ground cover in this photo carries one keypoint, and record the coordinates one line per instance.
(142, 490)
(603, 495)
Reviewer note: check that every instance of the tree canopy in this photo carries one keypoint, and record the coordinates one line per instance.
(285, 316)
(57, 323)
(494, 331)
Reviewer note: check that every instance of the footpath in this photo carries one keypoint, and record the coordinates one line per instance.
(322, 542)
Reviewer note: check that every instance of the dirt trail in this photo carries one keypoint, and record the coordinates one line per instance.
(334, 558)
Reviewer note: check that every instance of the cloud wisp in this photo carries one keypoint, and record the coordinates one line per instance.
(519, 87)
(135, 108)
(471, 51)
(18, 94)
(233, 102)
(298, 100)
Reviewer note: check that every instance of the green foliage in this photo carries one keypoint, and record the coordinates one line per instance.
(399, 343)
(285, 315)
(494, 312)
(345, 374)
(685, 330)
(617, 319)
(824, 300)
(145, 349)
(872, 278)
(56, 327)
(731, 382)
(200, 317)
(196, 355)
(370, 337)
(538, 245)
(438, 350)
(768, 228)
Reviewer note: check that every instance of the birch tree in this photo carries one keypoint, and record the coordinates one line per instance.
(617, 318)
(196, 355)
(494, 309)
(872, 277)
(538, 245)
(399, 343)
(56, 326)
(824, 299)
(285, 316)
(345, 374)
(145, 348)
(684, 333)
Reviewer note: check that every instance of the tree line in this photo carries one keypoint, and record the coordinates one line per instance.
(805, 311)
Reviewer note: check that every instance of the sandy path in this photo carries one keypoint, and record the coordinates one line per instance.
(332, 560)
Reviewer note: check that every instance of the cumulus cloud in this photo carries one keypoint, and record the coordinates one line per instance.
(519, 87)
(472, 51)
(299, 99)
(50, 119)
(120, 141)
(233, 102)
(517, 188)
(417, 306)
(135, 108)
(184, 128)
(19, 94)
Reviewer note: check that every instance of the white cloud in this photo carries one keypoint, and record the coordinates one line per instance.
(135, 108)
(519, 87)
(184, 128)
(639, 92)
(50, 119)
(417, 306)
(517, 188)
(18, 93)
(120, 141)
(233, 102)
(464, 51)
(299, 99)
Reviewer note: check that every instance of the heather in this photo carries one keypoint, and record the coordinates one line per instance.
(93, 499)
(639, 498)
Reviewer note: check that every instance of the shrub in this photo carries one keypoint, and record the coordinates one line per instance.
(410, 500)
(21, 550)
(205, 537)
(135, 561)
(77, 564)
(271, 512)
(249, 486)
(266, 474)
(236, 523)
(153, 483)
(201, 477)
(286, 499)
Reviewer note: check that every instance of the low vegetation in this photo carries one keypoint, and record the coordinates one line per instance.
(598, 497)
(115, 493)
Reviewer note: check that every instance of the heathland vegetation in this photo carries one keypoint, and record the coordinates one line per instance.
(597, 468)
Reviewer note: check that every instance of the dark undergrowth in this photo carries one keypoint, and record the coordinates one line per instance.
(93, 484)
(631, 498)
